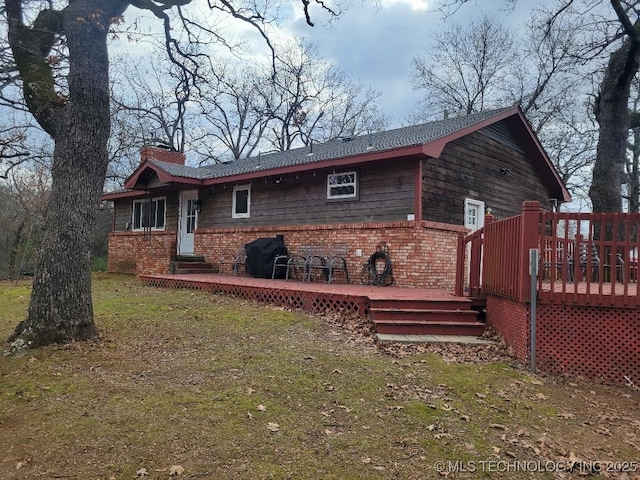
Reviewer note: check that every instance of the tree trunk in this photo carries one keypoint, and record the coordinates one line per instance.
(612, 114)
(633, 185)
(61, 308)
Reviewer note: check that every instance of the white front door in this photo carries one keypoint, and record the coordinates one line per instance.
(188, 222)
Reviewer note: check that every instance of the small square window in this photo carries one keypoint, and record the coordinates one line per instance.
(241, 202)
(342, 185)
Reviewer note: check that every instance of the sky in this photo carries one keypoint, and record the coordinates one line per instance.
(375, 41)
(377, 45)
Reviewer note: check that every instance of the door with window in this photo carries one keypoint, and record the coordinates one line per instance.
(473, 220)
(473, 214)
(188, 222)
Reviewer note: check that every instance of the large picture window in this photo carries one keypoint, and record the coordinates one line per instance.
(342, 185)
(241, 201)
(149, 213)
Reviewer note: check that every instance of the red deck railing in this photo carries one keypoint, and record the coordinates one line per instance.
(585, 258)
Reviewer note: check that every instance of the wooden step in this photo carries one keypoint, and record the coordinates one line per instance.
(183, 267)
(430, 315)
(421, 327)
(194, 265)
(416, 304)
(189, 258)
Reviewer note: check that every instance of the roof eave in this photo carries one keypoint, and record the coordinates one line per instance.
(566, 196)
(163, 176)
(434, 149)
(108, 197)
(322, 164)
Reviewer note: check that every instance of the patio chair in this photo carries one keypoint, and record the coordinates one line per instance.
(293, 263)
(317, 262)
(554, 266)
(589, 261)
(328, 262)
(235, 260)
(338, 261)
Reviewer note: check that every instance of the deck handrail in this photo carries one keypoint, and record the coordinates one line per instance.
(585, 258)
(594, 258)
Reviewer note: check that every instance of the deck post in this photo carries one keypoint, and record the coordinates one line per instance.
(460, 264)
(528, 240)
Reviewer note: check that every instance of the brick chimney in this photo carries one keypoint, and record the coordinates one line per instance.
(161, 153)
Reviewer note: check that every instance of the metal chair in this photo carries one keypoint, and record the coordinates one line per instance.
(589, 260)
(236, 261)
(338, 261)
(328, 262)
(293, 263)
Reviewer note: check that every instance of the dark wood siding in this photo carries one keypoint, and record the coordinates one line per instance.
(386, 193)
(470, 167)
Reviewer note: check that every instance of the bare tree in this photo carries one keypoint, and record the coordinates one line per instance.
(309, 99)
(632, 165)
(232, 123)
(77, 117)
(611, 109)
(468, 68)
(615, 32)
(154, 96)
(149, 105)
(485, 70)
(22, 204)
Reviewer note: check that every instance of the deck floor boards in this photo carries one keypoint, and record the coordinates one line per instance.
(369, 291)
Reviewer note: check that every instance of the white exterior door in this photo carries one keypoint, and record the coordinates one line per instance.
(473, 220)
(188, 222)
(473, 214)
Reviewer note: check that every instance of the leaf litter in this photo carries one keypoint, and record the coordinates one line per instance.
(398, 407)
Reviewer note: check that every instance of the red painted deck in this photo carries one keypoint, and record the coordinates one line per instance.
(367, 291)
(394, 309)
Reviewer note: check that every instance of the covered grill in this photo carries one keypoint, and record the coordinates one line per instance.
(261, 253)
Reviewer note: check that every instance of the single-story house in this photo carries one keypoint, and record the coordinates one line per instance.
(416, 188)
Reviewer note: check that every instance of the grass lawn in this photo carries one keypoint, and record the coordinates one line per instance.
(188, 384)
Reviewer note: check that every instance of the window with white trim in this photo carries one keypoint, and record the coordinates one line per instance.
(241, 201)
(149, 213)
(342, 185)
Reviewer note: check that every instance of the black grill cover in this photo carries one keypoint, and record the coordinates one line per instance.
(260, 255)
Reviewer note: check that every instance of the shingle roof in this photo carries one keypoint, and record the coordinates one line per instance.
(333, 149)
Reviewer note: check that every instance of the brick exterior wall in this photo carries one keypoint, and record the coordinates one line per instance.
(423, 254)
(132, 252)
(586, 341)
(510, 319)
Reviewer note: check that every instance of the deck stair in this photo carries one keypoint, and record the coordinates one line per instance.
(453, 316)
(188, 264)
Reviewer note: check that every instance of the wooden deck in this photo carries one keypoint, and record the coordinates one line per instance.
(583, 293)
(205, 281)
(394, 310)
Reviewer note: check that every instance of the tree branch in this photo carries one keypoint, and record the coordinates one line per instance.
(30, 47)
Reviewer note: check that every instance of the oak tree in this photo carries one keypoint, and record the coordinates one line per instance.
(76, 116)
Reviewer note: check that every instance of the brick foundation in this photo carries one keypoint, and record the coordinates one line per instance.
(132, 252)
(423, 254)
(592, 342)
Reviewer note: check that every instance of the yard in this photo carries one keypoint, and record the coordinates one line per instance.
(188, 384)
